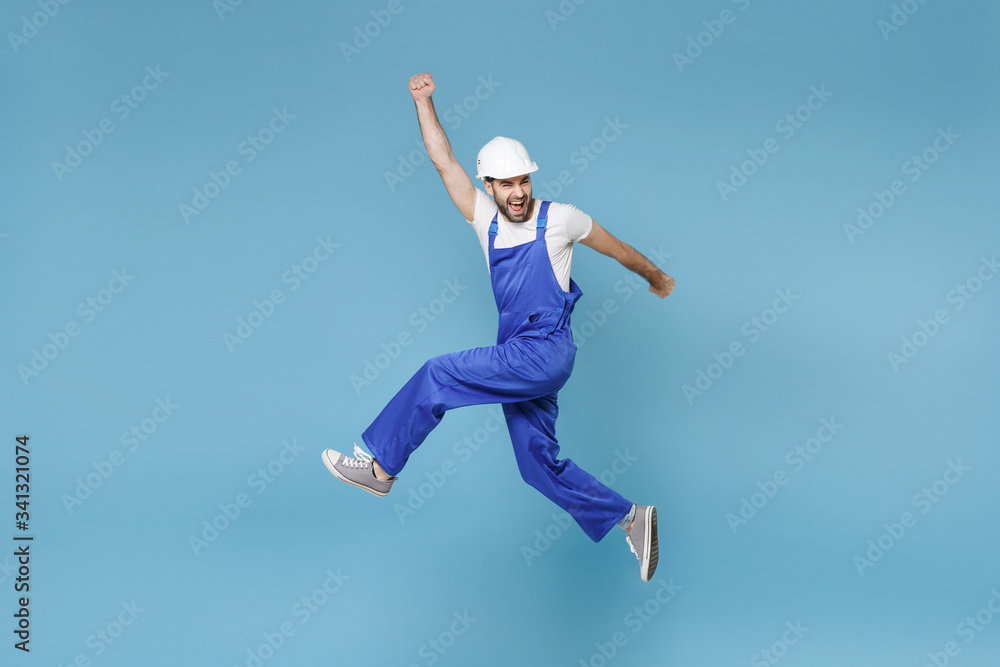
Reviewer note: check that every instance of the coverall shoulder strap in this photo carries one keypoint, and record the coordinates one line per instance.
(543, 218)
(543, 214)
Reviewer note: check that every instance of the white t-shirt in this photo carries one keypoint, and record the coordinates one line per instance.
(567, 224)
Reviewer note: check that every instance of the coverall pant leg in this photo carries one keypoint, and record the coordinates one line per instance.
(523, 373)
(594, 506)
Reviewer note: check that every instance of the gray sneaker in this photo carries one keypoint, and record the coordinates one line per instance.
(357, 471)
(641, 538)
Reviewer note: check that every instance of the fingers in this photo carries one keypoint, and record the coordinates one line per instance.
(663, 291)
(418, 81)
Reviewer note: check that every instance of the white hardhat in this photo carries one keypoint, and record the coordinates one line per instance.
(503, 158)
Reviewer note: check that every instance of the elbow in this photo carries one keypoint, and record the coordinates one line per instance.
(623, 252)
(442, 158)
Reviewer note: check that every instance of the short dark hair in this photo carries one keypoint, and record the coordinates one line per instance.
(487, 179)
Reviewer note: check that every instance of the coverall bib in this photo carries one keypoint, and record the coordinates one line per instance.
(532, 360)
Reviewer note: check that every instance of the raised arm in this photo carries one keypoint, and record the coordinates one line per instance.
(605, 243)
(456, 181)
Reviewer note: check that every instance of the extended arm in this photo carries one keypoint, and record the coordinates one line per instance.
(456, 181)
(605, 243)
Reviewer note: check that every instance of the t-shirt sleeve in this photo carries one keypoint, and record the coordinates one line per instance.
(484, 208)
(578, 224)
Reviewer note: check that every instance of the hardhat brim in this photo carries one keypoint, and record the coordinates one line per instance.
(501, 175)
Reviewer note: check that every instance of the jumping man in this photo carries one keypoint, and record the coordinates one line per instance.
(529, 249)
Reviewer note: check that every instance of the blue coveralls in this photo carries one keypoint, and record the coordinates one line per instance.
(532, 360)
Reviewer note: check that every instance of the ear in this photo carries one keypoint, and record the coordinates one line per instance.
(489, 187)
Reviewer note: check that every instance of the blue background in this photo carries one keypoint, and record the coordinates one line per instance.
(483, 544)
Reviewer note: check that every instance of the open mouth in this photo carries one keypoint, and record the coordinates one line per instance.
(517, 206)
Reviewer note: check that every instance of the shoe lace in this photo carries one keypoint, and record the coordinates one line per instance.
(361, 460)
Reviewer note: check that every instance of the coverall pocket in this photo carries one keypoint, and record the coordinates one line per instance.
(544, 321)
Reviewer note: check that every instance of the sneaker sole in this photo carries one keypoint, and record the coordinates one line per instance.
(652, 555)
(332, 467)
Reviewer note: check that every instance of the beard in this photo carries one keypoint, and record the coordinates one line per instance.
(513, 216)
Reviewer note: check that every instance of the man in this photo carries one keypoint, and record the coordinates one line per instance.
(528, 247)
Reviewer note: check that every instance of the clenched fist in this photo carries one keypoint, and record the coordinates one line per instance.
(421, 86)
(663, 285)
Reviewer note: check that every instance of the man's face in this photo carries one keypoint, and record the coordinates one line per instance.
(513, 197)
